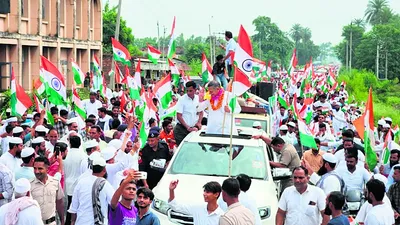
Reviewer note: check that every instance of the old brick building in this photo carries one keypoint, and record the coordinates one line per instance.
(57, 29)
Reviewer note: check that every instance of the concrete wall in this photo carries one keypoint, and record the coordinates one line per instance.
(60, 30)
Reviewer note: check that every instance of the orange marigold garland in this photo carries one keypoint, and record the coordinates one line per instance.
(220, 100)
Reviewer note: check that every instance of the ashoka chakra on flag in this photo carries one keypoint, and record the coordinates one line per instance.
(56, 84)
(247, 65)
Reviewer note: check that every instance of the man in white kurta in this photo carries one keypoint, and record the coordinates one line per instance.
(219, 118)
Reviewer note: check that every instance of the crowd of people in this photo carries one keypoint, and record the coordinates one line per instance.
(100, 170)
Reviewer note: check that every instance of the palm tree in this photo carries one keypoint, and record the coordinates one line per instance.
(373, 13)
(305, 34)
(359, 23)
(295, 33)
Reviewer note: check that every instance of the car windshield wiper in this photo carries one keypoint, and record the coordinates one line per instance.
(211, 175)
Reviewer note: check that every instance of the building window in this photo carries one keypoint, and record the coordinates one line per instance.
(62, 11)
(45, 6)
(24, 8)
(78, 12)
(4, 6)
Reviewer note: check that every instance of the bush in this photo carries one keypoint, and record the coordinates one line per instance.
(386, 93)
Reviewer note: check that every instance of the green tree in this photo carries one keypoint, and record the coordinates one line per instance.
(376, 11)
(274, 43)
(125, 35)
(295, 33)
(357, 33)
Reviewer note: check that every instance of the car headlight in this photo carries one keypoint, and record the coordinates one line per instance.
(265, 212)
(160, 206)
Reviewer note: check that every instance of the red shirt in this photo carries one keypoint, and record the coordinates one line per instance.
(164, 136)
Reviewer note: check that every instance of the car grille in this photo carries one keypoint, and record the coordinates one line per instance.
(179, 218)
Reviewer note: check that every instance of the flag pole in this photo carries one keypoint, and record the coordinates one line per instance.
(231, 131)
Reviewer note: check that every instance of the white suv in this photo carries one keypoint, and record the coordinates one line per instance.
(202, 158)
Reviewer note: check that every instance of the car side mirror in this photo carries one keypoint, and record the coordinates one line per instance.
(281, 173)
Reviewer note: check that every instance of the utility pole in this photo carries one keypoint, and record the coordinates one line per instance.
(163, 44)
(377, 59)
(386, 64)
(211, 48)
(351, 45)
(347, 55)
(158, 34)
(116, 36)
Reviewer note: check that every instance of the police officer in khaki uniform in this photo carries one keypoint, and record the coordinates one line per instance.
(47, 191)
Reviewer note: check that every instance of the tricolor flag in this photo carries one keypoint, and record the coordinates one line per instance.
(170, 112)
(138, 75)
(77, 103)
(174, 73)
(163, 91)
(133, 88)
(306, 136)
(20, 101)
(387, 148)
(97, 79)
(54, 83)
(293, 63)
(243, 60)
(172, 42)
(206, 70)
(142, 134)
(119, 77)
(79, 76)
(369, 140)
(39, 108)
(121, 54)
(38, 85)
(153, 54)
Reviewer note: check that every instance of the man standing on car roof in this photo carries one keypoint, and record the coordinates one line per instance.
(154, 158)
(186, 112)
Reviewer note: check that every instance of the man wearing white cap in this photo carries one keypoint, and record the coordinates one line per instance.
(39, 145)
(90, 147)
(12, 158)
(6, 137)
(6, 184)
(326, 178)
(89, 200)
(23, 210)
(388, 120)
(283, 133)
(26, 170)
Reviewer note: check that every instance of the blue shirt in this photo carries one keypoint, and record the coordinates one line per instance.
(25, 172)
(340, 220)
(148, 219)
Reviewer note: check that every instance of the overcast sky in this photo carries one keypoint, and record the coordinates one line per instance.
(325, 18)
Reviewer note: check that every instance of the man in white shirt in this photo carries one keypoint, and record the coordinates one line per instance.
(82, 207)
(326, 178)
(324, 136)
(301, 204)
(104, 120)
(244, 199)
(229, 50)
(6, 184)
(186, 112)
(353, 176)
(339, 120)
(219, 113)
(12, 158)
(348, 144)
(72, 169)
(380, 214)
(203, 214)
(91, 105)
(283, 133)
(23, 209)
(322, 104)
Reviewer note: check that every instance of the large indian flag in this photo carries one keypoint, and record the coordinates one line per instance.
(163, 91)
(54, 83)
(306, 137)
(153, 54)
(20, 101)
(121, 54)
(243, 60)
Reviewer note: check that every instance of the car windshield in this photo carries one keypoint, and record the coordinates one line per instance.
(249, 123)
(213, 160)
